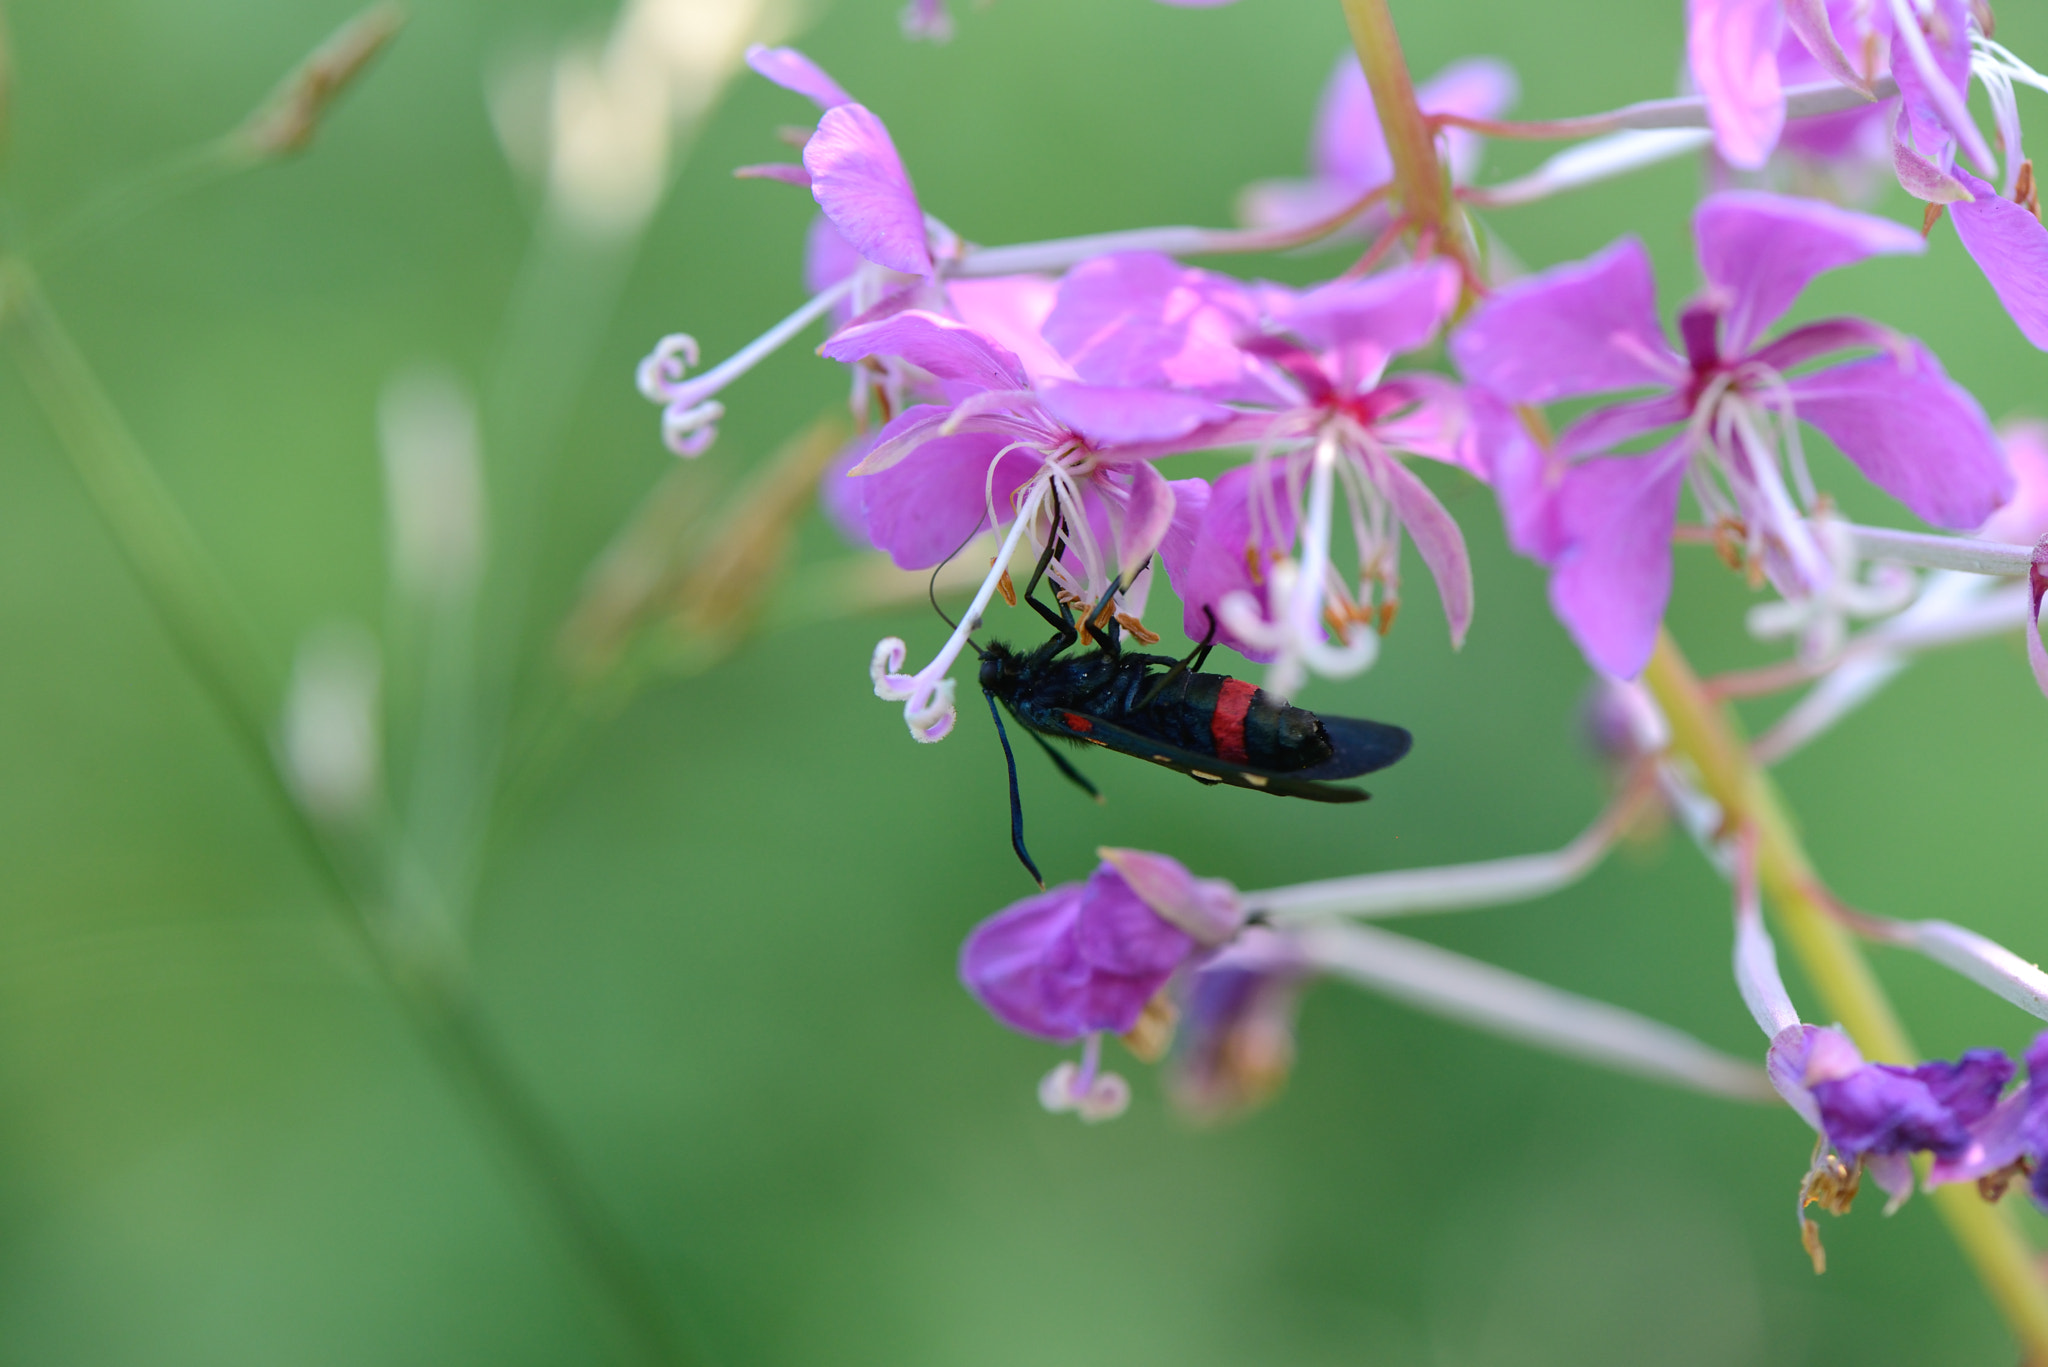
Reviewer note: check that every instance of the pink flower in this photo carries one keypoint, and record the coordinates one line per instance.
(1592, 328)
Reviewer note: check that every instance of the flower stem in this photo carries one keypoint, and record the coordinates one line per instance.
(1419, 180)
(422, 969)
(1704, 733)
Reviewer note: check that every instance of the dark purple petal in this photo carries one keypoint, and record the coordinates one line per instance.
(921, 508)
(860, 183)
(1109, 416)
(792, 70)
(1917, 434)
(2011, 247)
(1759, 250)
(1996, 1141)
(1885, 1109)
(1611, 582)
(1073, 960)
(1004, 963)
(1585, 328)
(1117, 933)
(1733, 49)
(947, 348)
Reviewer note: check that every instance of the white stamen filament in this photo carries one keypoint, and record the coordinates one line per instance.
(1589, 163)
(1941, 552)
(927, 695)
(688, 408)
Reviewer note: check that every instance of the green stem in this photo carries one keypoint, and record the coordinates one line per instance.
(1704, 733)
(1421, 186)
(215, 640)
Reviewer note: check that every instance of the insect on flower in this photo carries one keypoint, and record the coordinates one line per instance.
(1211, 727)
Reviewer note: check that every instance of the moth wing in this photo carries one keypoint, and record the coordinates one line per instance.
(1362, 747)
(1208, 768)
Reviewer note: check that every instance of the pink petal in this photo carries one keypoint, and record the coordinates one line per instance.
(1811, 24)
(792, 70)
(1112, 416)
(924, 506)
(1148, 516)
(907, 431)
(1524, 477)
(2011, 247)
(1349, 147)
(1216, 560)
(1438, 425)
(1296, 203)
(1603, 429)
(1139, 318)
(1760, 250)
(1918, 176)
(1733, 48)
(948, 349)
(1584, 328)
(786, 172)
(2024, 518)
(1614, 576)
(1438, 540)
(1814, 340)
(860, 183)
(1380, 315)
(1011, 310)
(1933, 90)
(1917, 434)
(828, 257)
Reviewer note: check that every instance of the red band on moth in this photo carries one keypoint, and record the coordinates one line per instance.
(1227, 725)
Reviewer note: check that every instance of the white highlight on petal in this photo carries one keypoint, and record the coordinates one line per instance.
(1519, 1008)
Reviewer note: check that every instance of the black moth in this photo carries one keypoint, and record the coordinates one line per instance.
(1211, 727)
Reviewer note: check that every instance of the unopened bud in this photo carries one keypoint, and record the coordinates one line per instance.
(287, 120)
(332, 739)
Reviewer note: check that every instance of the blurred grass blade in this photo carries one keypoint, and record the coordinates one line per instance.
(286, 122)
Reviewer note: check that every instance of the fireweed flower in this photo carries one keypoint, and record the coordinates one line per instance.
(1348, 155)
(1087, 959)
(875, 243)
(1591, 328)
(1306, 373)
(1019, 445)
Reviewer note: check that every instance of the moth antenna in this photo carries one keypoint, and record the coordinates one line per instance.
(931, 588)
(1016, 802)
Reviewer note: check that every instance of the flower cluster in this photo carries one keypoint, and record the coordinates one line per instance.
(1038, 394)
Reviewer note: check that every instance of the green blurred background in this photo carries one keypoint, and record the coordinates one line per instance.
(720, 944)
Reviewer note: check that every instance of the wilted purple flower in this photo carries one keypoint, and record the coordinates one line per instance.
(1086, 959)
(1591, 328)
(1880, 1114)
(1348, 156)
(2011, 1140)
(1306, 373)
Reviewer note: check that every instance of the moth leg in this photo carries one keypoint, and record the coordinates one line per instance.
(1055, 545)
(1197, 657)
(1061, 762)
